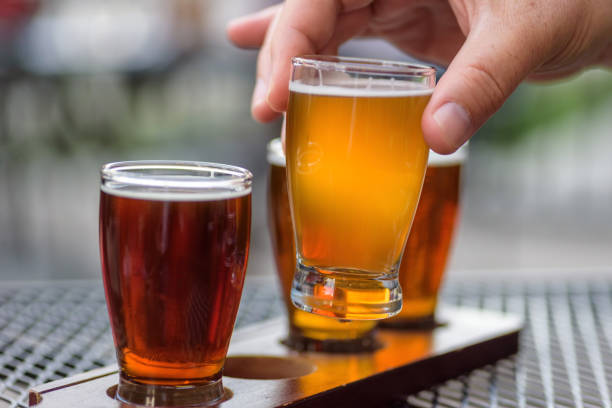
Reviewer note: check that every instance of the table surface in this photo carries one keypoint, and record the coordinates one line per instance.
(52, 330)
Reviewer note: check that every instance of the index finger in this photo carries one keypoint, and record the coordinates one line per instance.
(304, 27)
(249, 31)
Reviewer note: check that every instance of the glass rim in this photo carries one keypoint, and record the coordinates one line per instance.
(275, 155)
(364, 65)
(130, 174)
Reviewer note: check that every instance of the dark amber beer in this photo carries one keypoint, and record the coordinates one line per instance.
(307, 331)
(356, 158)
(426, 254)
(174, 241)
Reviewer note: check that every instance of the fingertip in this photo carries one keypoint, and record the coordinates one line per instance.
(434, 137)
(278, 91)
(232, 30)
(262, 113)
(237, 23)
(232, 22)
(446, 127)
(277, 98)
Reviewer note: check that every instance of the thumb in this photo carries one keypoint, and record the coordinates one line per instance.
(483, 74)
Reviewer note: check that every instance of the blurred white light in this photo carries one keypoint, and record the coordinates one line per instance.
(76, 36)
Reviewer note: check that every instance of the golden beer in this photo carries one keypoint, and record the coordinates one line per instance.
(307, 331)
(356, 158)
(429, 242)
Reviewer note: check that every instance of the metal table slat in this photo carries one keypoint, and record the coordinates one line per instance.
(52, 330)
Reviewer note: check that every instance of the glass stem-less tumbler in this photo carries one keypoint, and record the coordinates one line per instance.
(174, 241)
(356, 158)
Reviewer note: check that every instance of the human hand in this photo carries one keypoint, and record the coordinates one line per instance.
(489, 47)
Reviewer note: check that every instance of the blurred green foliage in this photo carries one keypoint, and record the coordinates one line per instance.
(120, 113)
(536, 105)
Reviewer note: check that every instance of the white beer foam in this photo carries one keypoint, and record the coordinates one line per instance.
(440, 160)
(380, 88)
(276, 156)
(141, 193)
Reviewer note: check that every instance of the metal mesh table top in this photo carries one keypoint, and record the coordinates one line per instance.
(50, 331)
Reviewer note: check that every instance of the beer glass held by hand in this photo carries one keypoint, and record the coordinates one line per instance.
(426, 254)
(174, 240)
(307, 331)
(356, 160)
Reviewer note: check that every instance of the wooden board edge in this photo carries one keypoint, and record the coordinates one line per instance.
(393, 385)
(35, 394)
(383, 387)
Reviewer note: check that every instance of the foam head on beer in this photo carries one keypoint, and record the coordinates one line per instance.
(147, 194)
(458, 157)
(276, 155)
(356, 158)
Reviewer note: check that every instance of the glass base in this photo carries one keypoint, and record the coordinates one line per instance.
(346, 294)
(363, 344)
(417, 313)
(149, 395)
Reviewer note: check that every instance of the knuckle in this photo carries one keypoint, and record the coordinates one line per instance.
(492, 90)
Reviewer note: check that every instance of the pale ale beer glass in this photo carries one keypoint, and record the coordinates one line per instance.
(429, 242)
(174, 241)
(356, 160)
(307, 331)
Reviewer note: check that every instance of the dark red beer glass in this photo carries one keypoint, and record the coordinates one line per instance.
(174, 241)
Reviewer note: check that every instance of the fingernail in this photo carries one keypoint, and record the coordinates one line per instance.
(454, 121)
(259, 94)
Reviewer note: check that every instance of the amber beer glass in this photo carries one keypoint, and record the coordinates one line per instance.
(174, 240)
(356, 160)
(429, 242)
(307, 331)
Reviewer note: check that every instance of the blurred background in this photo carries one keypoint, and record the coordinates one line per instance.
(83, 83)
